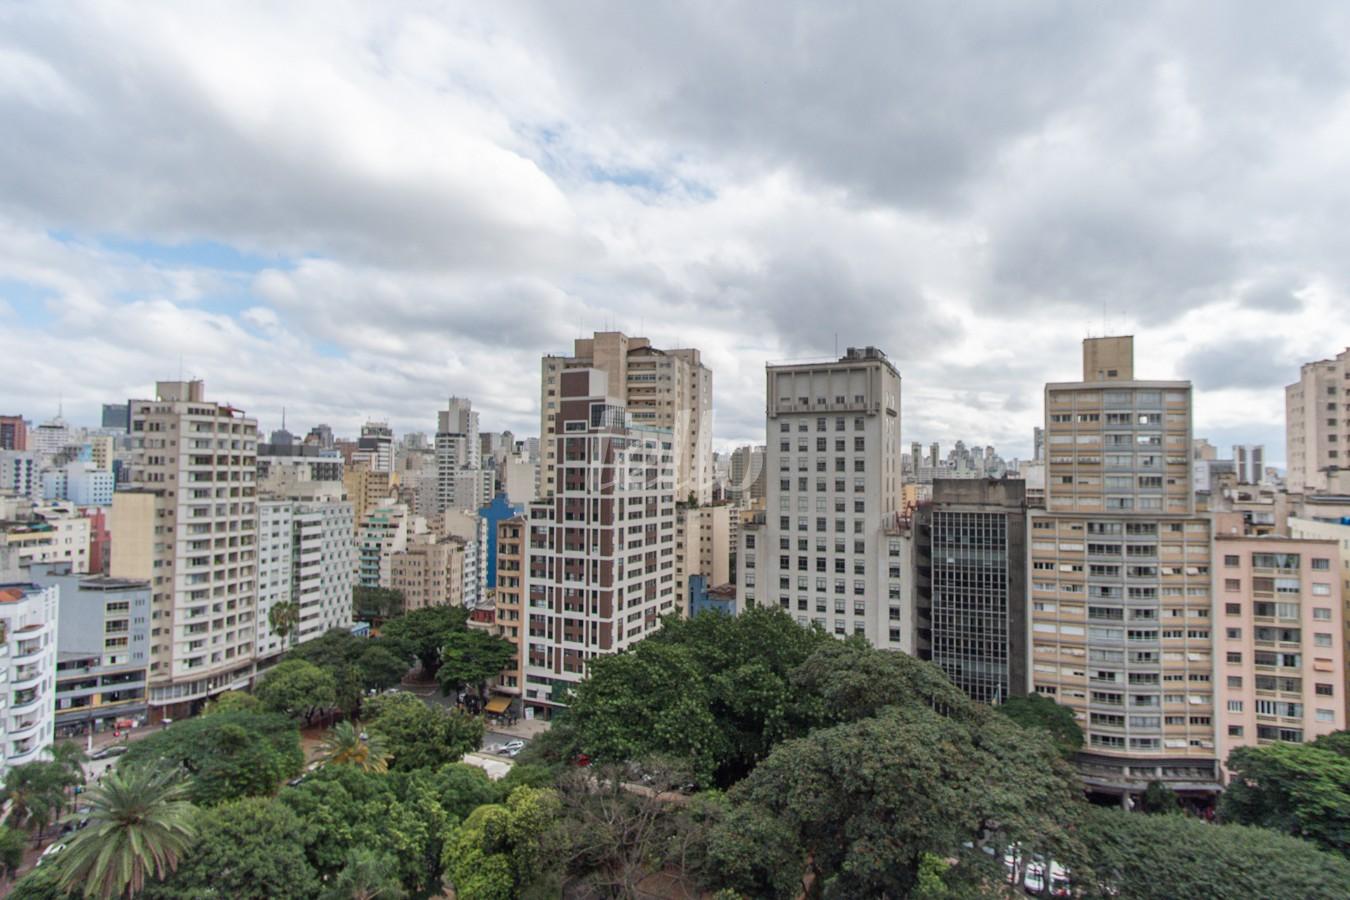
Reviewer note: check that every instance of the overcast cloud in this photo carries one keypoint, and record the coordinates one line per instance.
(356, 210)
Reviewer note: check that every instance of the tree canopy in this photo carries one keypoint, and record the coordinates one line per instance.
(229, 755)
(418, 736)
(296, 687)
(419, 635)
(1163, 857)
(471, 658)
(498, 851)
(1038, 713)
(1300, 789)
(376, 603)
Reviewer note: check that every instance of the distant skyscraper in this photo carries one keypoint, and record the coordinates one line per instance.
(1038, 444)
(13, 433)
(1249, 460)
(376, 446)
(1317, 425)
(116, 415)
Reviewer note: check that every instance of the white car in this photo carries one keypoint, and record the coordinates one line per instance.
(51, 851)
(511, 748)
(1034, 882)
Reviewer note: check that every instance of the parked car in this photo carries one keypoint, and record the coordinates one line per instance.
(108, 752)
(51, 851)
(516, 745)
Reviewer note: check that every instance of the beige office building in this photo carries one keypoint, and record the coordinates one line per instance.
(1317, 426)
(669, 389)
(1120, 577)
(702, 547)
(189, 527)
(429, 572)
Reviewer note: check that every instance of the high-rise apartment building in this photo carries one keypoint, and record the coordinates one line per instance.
(55, 533)
(747, 476)
(460, 419)
(1317, 425)
(188, 525)
(21, 473)
(669, 389)
(13, 433)
(1120, 580)
(429, 572)
(702, 547)
(600, 552)
(1280, 675)
(376, 446)
(28, 619)
(509, 597)
(1249, 461)
(970, 553)
(828, 549)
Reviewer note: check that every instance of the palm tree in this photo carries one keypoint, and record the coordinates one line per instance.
(140, 825)
(283, 618)
(366, 876)
(344, 744)
(36, 792)
(11, 851)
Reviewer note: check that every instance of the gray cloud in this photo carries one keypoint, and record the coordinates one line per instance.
(1254, 362)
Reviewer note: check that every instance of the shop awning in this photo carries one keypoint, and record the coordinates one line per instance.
(498, 704)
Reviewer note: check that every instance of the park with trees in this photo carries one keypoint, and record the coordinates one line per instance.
(727, 757)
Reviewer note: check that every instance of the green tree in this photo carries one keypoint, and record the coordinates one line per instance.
(39, 884)
(419, 736)
(461, 788)
(231, 701)
(368, 875)
(12, 846)
(246, 848)
(284, 619)
(1158, 799)
(1039, 713)
(297, 688)
(71, 756)
(714, 690)
(748, 850)
(140, 827)
(497, 853)
(345, 745)
(229, 755)
(471, 658)
(36, 792)
(1163, 857)
(866, 800)
(397, 816)
(420, 634)
(380, 667)
(1300, 789)
(375, 604)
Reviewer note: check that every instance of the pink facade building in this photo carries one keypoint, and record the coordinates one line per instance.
(1279, 654)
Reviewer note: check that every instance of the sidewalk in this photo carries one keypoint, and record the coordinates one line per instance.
(523, 728)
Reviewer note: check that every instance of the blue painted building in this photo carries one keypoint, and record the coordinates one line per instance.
(718, 598)
(498, 510)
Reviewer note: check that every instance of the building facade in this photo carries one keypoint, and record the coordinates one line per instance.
(1120, 580)
(970, 552)
(1281, 669)
(702, 547)
(600, 553)
(1317, 424)
(28, 642)
(828, 549)
(669, 389)
(102, 649)
(188, 525)
(429, 572)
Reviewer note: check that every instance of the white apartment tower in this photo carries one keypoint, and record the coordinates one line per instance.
(600, 552)
(188, 525)
(1317, 426)
(828, 549)
(28, 618)
(1121, 627)
(669, 389)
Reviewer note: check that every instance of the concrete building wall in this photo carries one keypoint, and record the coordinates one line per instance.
(1317, 424)
(833, 494)
(1280, 673)
(28, 633)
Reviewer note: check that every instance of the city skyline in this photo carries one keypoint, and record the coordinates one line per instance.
(355, 214)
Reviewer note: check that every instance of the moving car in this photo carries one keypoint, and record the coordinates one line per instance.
(511, 748)
(110, 751)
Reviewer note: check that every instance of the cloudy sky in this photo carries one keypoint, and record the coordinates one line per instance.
(356, 210)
